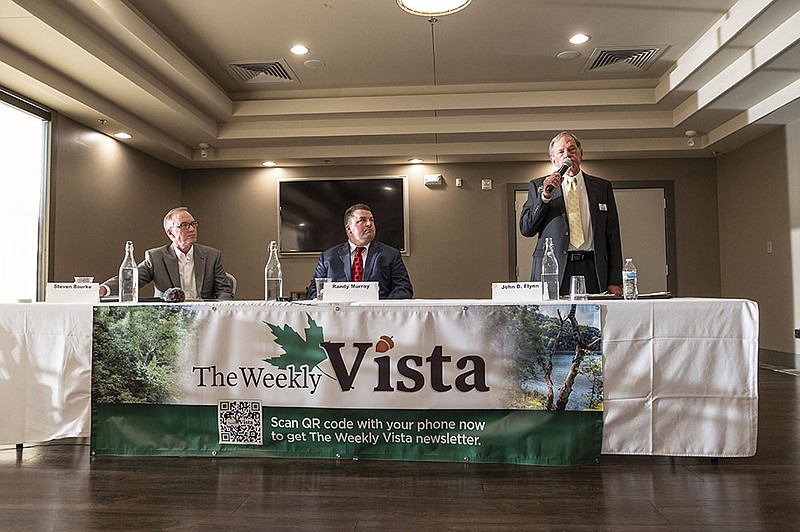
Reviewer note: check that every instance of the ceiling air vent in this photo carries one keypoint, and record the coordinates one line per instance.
(625, 58)
(247, 72)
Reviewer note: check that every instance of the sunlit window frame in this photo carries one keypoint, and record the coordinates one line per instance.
(43, 244)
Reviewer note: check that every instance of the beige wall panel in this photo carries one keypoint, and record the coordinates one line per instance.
(105, 193)
(458, 236)
(754, 211)
(696, 223)
(793, 169)
(102, 194)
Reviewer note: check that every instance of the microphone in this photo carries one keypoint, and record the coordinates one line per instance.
(173, 295)
(561, 171)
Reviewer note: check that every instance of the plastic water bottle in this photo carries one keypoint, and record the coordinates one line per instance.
(549, 272)
(630, 287)
(273, 275)
(128, 277)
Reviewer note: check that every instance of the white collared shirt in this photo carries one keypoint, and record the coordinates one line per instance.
(363, 253)
(186, 271)
(583, 199)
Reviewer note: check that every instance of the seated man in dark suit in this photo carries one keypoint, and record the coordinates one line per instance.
(361, 258)
(184, 264)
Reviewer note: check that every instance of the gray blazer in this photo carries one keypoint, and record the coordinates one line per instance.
(550, 220)
(160, 265)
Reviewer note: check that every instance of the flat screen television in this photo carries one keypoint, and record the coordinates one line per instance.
(312, 211)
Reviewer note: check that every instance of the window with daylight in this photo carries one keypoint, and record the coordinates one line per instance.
(23, 148)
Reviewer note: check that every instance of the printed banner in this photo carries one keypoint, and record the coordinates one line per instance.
(487, 383)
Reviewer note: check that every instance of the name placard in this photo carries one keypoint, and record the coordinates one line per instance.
(366, 291)
(72, 293)
(517, 292)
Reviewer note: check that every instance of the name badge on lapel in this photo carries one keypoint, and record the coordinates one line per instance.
(602, 206)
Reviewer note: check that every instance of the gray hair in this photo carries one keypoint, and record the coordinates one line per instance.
(168, 217)
(563, 134)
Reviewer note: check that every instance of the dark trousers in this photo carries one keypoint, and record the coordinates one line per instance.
(581, 263)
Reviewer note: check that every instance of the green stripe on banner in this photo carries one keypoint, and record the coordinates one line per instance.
(507, 436)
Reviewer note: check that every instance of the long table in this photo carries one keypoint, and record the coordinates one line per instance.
(680, 374)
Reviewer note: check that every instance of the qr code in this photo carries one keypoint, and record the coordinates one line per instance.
(239, 422)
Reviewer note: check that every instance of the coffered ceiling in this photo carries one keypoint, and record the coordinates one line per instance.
(380, 86)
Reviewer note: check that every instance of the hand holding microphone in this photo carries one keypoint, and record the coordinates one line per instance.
(561, 171)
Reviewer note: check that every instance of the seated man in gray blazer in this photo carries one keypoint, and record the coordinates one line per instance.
(184, 264)
(361, 258)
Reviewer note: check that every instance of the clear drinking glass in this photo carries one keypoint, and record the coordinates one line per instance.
(577, 288)
(321, 285)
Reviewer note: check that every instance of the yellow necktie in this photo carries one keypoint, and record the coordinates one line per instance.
(574, 215)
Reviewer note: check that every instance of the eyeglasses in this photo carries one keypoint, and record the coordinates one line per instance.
(187, 225)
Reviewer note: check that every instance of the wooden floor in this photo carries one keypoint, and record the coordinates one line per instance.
(56, 486)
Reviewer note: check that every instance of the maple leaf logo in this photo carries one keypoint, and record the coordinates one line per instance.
(298, 352)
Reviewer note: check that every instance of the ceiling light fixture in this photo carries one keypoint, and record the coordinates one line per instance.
(415, 160)
(122, 135)
(432, 8)
(204, 150)
(579, 38)
(690, 135)
(566, 55)
(269, 164)
(299, 49)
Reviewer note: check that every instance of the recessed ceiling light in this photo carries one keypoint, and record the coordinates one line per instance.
(415, 160)
(269, 164)
(299, 49)
(579, 38)
(123, 135)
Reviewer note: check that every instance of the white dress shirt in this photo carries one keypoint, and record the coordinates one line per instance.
(363, 253)
(186, 271)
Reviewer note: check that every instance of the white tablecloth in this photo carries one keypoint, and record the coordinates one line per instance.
(680, 375)
(45, 371)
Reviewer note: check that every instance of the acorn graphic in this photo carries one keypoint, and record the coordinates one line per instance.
(384, 344)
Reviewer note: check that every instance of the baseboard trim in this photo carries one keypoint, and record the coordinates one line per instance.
(778, 358)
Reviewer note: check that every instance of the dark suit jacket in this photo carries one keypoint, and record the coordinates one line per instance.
(160, 265)
(549, 220)
(384, 265)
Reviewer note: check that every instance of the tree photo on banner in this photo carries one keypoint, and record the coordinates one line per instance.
(557, 361)
(486, 383)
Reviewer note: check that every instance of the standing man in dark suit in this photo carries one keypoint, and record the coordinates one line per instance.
(579, 213)
(184, 264)
(376, 260)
